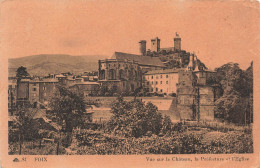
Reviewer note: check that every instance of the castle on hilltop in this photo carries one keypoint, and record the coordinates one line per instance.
(163, 71)
(156, 46)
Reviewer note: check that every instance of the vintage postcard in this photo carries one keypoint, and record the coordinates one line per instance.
(106, 83)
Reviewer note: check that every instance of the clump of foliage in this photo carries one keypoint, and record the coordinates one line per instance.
(236, 103)
(68, 107)
(21, 72)
(180, 143)
(134, 118)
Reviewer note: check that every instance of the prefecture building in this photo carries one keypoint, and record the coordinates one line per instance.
(161, 81)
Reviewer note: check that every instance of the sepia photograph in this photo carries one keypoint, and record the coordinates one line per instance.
(144, 78)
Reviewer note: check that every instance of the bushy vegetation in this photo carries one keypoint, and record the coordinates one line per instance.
(236, 103)
(35, 148)
(187, 142)
(134, 118)
(68, 107)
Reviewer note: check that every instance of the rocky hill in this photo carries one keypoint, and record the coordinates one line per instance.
(45, 64)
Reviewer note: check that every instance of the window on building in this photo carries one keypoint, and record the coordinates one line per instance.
(147, 83)
(156, 76)
(44, 88)
(152, 77)
(152, 82)
(161, 90)
(156, 89)
(151, 89)
(166, 82)
(161, 82)
(34, 89)
(156, 82)
(161, 76)
(166, 76)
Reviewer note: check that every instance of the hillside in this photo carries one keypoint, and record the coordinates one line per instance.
(49, 63)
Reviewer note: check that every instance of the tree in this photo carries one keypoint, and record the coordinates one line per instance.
(25, 128)
(68, 107)
(173, 64)
(166, 124)
(235, 104)
(134, 118)
(21, 72)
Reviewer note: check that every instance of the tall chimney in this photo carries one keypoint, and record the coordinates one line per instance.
(142, 46)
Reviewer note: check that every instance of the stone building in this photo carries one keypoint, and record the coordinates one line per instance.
(40, 90)
(87, 88)
(186, 94)
(123, 72)
(120, 75)
(196, 95)
(142, 47)
(177, 42)
(146, 63)
(155, 44)
(161, 81)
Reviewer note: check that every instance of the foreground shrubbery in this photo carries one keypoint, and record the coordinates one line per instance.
(135, 119)
(176, 143)
(34, 148)
(182, 141)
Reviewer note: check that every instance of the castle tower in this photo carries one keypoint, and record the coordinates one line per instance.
(177, 42)
(142, 45)
(155, 44)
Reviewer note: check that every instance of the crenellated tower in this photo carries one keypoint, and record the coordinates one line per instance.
(155, 44)
(177, 42)
(142, 47)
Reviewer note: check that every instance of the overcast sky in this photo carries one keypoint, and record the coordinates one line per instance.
(218, 32)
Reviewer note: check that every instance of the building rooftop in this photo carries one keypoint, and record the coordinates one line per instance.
(60, 76)
(162, 71)
(87, 83)
(142, 60)
(43, 80)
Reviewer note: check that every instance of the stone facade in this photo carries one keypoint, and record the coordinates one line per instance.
(142, 46)
(87, 88)
(120, 75)
(195, 96)
(155, 44)
(41, 90)
(186, 94)
(161, 81)
(177, 42)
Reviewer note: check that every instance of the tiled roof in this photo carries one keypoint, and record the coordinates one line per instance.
(60, 76)
(87, 83)
(43, 80)
(142, 60)
(163, 71)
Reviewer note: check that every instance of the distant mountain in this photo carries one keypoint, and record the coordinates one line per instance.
(45, 64)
